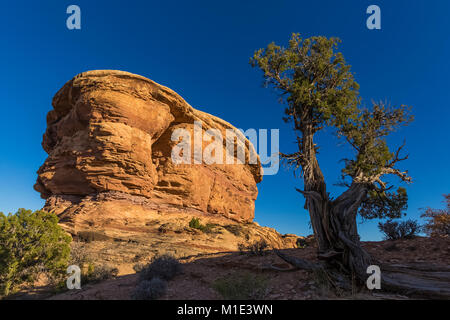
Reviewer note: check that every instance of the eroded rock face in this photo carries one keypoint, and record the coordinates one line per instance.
(110, 132)
(109, 174)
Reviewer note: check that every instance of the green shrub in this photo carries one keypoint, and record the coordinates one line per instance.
(195, 224)
(30, 243)
(394, 230)
(150, 289)
(164, 267)
(98, 272)
(242, 286)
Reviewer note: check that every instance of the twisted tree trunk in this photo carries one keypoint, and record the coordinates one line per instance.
(334, 225)
(335, 229)
(333, 221)
(344, 259)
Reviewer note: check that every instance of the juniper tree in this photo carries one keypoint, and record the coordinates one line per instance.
(319, 90)
(31, 243)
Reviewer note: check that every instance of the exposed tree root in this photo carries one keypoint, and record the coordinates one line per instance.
(417, 280)
(334, 278)
(298, 263)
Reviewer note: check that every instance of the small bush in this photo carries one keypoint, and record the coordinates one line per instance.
(97, 273)
(164, 267)
(89, 236)
(394, 230)
(208, 228)
(31, 243)
(138, 267)
(235, 229)
(301, 243)
(242, 286)
(150, 289)
(392, 247)
(78, 255)
(91, 272)
(195, 224)
(154, 277)
(257, 248)
(438, 220)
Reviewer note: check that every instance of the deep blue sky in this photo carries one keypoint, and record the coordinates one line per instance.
(201, 50)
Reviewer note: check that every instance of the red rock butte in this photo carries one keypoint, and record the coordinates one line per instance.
(108, 138)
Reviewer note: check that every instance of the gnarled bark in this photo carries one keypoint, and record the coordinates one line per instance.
(334, 225)
(344, 259)
(333, 221)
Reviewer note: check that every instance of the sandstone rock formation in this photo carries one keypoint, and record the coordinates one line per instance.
(111, 131)
(109, 166)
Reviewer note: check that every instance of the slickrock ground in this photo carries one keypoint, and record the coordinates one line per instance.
(171, 234)
(162, 228)
(200, 272)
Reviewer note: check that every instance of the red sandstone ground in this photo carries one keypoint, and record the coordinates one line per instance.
(200, 272)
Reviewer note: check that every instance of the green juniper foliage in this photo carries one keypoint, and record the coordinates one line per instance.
(316, 84)
(196, 224)
(30, 243)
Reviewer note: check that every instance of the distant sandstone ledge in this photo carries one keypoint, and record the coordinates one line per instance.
(109, 137)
